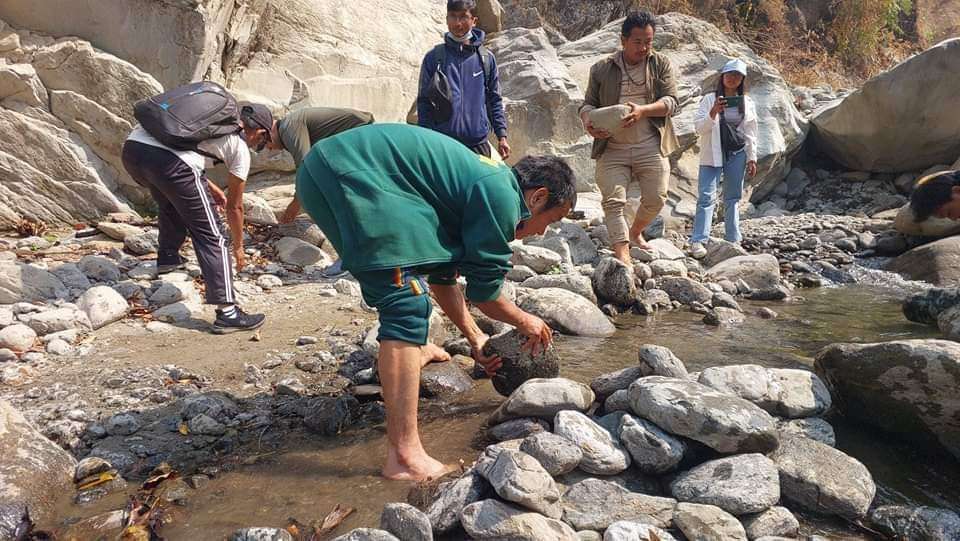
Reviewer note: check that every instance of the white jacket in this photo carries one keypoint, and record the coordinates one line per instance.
(711, 153)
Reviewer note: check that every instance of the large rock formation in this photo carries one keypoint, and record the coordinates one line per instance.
(937, 263)
(340, 54)
(919, 95)
(33, 473)
(906, 387)
(176, 41)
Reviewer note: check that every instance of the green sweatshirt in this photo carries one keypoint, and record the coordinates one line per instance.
(394, 195)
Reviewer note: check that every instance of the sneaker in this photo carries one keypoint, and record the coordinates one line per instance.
(697, 250)
(170, 267)
(241, 321)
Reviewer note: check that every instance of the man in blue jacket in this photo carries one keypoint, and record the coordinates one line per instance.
(473, 104)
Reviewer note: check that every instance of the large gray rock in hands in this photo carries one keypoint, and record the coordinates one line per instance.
(725, 423)
(492, 519)
(543, 398)
(653, 450)
(708, 522)
(602, 453)
(614, 282)
(567, 312)
(556, 454)
(821, 479)
(517, 477)
(784, 392)
(519, 365)
(908, 387)
(406, 522)
(927, 523)
(738, 484)
(595, 504)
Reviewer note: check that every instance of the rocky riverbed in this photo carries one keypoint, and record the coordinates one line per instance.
(135, 386)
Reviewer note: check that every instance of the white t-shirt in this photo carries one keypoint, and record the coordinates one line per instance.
(231, 149)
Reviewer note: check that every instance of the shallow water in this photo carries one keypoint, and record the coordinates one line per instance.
(312, 476)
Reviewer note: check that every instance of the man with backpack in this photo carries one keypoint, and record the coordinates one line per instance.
(167, 153)
(459, 91)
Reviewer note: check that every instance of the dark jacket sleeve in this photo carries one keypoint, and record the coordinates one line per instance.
(592, 96)
(495, 100)
(427, 69)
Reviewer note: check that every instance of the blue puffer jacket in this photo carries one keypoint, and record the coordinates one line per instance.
(474, 107)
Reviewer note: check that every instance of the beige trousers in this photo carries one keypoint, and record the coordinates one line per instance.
(617, 167)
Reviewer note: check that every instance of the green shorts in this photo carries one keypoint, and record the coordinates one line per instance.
(402, 299)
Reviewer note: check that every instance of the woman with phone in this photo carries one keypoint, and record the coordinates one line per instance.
(727, 125)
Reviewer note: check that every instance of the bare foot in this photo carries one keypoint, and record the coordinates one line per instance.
(432, 353)
(638, 241)
(420, 469)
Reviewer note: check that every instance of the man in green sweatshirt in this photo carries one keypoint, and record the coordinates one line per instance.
(399, 202)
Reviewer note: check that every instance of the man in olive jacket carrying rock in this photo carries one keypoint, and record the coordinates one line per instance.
(643, 80)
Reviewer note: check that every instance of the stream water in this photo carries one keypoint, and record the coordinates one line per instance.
(312, 475)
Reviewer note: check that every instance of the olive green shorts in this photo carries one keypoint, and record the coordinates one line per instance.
(402, 299)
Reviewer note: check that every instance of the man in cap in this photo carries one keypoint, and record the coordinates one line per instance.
(187, 202)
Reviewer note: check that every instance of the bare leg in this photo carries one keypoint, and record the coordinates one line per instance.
(399, 365)
(636, 232)
(432, 353)
(621, 251)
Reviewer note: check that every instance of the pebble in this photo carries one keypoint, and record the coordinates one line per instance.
(307, 340)
(291, 387)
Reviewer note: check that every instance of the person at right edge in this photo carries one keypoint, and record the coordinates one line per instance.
(469, 71)
(645, 81)
(728, 147)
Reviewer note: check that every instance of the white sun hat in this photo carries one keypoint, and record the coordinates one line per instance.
(736, 65)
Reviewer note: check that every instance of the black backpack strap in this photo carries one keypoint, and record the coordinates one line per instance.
(486, 63)
(440, 54)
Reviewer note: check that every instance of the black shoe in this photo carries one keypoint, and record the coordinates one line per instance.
(170, 267)
(241, 321)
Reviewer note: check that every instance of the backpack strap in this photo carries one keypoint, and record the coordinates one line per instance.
(440, 54)
(486, 63)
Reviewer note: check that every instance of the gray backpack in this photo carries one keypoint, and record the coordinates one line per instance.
(183, 117)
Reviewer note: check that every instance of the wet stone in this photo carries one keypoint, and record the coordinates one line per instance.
(444, 380)
(406, 522)
(518, 365)
(776, 521)
(927, 523)
(517, 428)
(205, 425)
(444, 511)
(556, 454)
(122, 424)
(602, 453)
(261, 534)
(595, 504)
(739, 484)
(91, 466)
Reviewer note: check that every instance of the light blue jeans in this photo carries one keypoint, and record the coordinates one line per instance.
(733, 170)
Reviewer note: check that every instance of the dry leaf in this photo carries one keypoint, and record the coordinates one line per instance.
(333, 520)
(183, 428)
(98, 480)
(137, 532)
(256, 336)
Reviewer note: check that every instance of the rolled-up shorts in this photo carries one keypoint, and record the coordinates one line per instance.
(402, 299)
